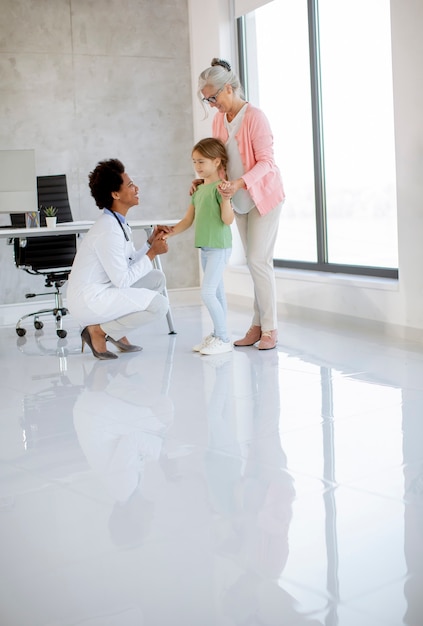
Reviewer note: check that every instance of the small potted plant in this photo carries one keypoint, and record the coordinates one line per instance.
(51, 216)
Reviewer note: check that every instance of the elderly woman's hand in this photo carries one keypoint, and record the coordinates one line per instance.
(195, 183)
(228, 188)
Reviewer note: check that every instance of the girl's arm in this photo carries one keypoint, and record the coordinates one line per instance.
(226, 211)
(184, 224)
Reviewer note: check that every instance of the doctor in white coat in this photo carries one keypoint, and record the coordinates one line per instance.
(113, 287)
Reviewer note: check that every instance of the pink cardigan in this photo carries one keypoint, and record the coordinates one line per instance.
(255, 142)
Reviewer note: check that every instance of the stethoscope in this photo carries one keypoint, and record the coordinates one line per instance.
(121, 225)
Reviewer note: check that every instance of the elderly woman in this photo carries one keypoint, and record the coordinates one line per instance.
(113, 287)
(256, 188)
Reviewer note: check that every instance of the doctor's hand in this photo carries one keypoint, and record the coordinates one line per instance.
(158, 245)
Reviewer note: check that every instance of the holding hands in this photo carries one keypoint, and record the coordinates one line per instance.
(158, 240)
(228, 188)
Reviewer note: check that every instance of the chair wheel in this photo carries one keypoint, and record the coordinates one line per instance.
(21, 332)
(38, 325)
(61, 333)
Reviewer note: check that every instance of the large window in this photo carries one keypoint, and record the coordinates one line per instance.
(321, 71)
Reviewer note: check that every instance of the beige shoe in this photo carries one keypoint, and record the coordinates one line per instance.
(251, 337)
(268, 340)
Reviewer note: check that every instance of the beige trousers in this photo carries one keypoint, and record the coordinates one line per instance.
(258, 235)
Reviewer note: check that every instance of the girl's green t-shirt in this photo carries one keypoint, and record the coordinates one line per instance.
(210, 231)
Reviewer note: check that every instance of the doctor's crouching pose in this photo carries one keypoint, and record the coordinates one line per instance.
(113, 287)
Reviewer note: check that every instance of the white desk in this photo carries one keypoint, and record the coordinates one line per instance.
(74, 228)
(70, 228)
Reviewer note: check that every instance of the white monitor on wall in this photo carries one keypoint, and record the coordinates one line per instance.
(18, 181)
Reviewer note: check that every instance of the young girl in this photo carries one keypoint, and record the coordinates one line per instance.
(213, 215)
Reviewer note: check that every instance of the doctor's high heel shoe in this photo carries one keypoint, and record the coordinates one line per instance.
(123, 347)
(103, 356)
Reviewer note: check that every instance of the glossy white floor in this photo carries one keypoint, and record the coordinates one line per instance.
(280, 488)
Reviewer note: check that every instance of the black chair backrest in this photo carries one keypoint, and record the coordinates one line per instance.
(45, 253)
(41, 253)
(51, 191)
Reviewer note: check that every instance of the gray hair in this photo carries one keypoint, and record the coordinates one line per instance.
(218, 75)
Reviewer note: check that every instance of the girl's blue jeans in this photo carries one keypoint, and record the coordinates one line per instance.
(213, 262)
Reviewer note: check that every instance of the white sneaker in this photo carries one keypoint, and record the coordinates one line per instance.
(217, 346)
(198, 347)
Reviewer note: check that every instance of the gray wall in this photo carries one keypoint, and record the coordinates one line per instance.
(84, 80)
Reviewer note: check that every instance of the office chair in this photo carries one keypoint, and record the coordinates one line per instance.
(48, 256)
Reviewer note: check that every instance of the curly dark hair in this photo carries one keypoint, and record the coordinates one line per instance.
(104, 179)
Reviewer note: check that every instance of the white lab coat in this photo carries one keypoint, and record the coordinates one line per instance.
(105, 266)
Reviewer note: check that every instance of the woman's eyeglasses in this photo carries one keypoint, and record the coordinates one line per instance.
(213, 99)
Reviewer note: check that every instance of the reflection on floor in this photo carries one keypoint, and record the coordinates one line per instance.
(280, 488)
